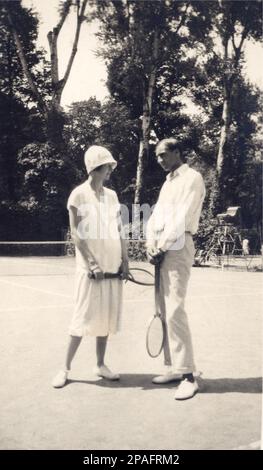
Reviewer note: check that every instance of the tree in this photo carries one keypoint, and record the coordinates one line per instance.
(18, 123)
(46, 179)
(49, 108)
(143, 40)
(109, 124)
(83, 120)
(119, 131)
(40, 195)
(243, 174)
(13, 122)
(12, 79)
(81, 130)
(235, 21)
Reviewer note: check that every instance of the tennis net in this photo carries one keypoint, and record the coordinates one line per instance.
(49, 258)
(36, 258)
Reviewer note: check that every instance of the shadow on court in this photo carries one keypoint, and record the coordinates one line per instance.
(144, 382)
(226, 385)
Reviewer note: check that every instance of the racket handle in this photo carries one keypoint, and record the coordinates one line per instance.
(91, 275)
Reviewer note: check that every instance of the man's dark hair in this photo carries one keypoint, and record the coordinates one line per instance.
(172, 144)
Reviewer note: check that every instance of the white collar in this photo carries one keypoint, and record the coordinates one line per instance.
(179, 171)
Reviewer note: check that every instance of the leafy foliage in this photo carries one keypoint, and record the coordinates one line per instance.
(44, 190)
(36, 176)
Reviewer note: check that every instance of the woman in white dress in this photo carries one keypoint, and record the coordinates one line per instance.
(94, 215)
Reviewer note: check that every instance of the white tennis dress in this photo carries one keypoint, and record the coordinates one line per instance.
(98, 303)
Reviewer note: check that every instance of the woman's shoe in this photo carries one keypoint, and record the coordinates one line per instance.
(105, 373)
(61, 379)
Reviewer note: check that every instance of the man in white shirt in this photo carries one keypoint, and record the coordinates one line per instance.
(169, 238)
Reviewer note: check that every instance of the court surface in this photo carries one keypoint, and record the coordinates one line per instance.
(225, 315)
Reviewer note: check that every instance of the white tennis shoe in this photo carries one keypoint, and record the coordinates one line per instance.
(105, 373)
(186, 389)
(166, 378)
(61, 379)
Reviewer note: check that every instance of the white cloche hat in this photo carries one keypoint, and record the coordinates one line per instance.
(96, 156)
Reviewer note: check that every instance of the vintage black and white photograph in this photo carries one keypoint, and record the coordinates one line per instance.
(131, 227)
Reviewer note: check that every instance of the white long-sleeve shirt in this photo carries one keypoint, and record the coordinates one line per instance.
(177, 210)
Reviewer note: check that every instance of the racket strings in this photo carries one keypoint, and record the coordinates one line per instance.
(155, 336)
(140, 276)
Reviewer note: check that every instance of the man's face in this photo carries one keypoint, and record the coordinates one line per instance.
(168, 159)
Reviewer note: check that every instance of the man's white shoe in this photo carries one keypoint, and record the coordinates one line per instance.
(105, 373)
(186, 389)
(167, 378)
(61, 379)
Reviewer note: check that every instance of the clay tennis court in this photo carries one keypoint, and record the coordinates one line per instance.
(225, 314)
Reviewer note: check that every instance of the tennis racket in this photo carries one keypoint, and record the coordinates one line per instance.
(155, 334)
(138, 276)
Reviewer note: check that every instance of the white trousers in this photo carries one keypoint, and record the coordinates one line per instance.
(175, 274)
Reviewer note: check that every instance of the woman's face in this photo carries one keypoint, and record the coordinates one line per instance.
(105, 171)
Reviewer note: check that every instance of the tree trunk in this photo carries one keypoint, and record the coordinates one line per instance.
(226, 120)
(217, 201)
(230, 74)
(52, 113)
(146, 120)
(143, 153)
(55, 123)
(55, 116)
(139, 174)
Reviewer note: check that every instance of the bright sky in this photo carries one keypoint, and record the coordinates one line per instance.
(88, 74)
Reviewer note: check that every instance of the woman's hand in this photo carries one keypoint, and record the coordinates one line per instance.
(98, 274)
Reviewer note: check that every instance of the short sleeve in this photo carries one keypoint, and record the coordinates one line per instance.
(73, 200)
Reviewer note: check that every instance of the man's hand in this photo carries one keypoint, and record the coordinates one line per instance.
(152, 251)
(155, 255)
(124, 269)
